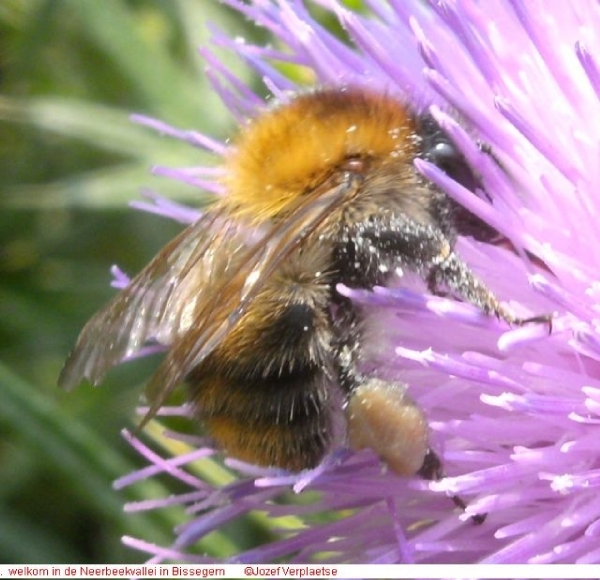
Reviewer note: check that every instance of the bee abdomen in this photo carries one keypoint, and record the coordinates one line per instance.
(291, 447)
(279, 420)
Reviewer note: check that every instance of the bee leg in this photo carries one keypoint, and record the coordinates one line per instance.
(380, 414)
(382, 417)
(448, 269)
(428, 250)
(432, 470)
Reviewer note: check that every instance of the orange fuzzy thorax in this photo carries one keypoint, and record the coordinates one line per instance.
(297, 146)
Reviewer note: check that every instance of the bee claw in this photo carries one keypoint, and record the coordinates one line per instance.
(432, 470)
(538, 319)
(460, 503)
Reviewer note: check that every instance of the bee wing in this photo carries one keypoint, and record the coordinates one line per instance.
(238, 289)
(159, 301)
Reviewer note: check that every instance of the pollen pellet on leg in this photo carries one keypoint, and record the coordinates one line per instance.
(382, 417)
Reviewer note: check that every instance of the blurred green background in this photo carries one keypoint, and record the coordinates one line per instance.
(71, 72)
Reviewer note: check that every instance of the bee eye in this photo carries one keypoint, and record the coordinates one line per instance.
(449, 159)
(437, 148)
(444, 153)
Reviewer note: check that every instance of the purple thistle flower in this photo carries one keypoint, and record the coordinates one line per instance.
(515, 413)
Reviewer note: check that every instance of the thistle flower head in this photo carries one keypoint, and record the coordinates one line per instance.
(514, 413)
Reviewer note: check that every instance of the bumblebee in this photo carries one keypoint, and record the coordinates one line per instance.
(320, 190)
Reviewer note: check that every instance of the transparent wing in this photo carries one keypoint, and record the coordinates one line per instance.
(160, 301)
(193, 292)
